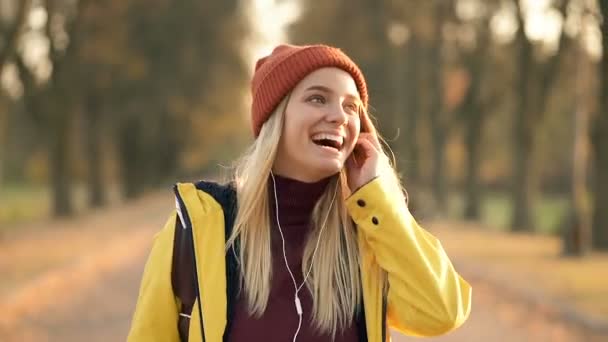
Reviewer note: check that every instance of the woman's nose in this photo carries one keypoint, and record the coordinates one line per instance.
(338, 115)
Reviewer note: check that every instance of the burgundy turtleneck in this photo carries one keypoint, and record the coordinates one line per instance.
(279, 322)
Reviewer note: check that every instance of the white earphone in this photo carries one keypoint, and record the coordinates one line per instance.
(297, 288)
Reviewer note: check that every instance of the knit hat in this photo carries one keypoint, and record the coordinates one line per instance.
(278, 73)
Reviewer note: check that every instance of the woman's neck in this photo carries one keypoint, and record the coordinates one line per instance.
(296, 200)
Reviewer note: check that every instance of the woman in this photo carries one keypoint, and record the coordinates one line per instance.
(311, 240)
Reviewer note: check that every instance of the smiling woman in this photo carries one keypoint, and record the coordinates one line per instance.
(304, 240)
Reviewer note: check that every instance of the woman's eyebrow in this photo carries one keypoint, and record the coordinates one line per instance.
(330, 91)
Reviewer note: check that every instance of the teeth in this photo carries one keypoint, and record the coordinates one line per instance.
(337, 138)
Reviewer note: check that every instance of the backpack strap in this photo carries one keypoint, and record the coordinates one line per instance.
(182, 276)
(183, 269)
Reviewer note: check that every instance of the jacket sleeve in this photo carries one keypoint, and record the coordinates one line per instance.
(426, 296)
(156, 311)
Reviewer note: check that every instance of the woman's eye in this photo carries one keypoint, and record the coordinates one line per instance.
(352, 107)
(317, 99)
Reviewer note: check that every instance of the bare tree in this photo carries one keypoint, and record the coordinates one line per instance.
(532, 100)
(576, 230)
(50, 102)
(437, 113)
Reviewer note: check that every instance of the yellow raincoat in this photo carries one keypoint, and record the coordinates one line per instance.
(426, 297)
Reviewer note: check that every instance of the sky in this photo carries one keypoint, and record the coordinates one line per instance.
(270, 19)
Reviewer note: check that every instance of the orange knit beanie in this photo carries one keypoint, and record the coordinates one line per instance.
(278, 73)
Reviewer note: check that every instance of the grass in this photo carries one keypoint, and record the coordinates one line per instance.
(20, 203)
(496, 211)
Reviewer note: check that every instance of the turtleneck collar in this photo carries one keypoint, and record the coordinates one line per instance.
(296, 199)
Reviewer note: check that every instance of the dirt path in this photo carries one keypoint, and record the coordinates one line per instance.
(78, 280)
(103, 312)
(93, 299)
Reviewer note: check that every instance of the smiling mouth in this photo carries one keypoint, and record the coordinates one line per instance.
(328, 143)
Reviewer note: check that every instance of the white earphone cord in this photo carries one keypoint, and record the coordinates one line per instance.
(296, 287)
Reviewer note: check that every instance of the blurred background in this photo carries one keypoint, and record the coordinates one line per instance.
(496, 110)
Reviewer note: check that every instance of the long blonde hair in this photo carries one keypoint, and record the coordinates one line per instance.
(334, 279)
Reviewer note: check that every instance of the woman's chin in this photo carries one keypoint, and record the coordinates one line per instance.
(330, 167)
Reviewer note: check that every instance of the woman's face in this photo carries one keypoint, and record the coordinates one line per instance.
(321, 126)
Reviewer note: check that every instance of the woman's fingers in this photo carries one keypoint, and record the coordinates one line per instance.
(367, 147)
(372, 139)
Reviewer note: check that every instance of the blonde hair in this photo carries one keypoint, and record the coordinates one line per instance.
(334, 280)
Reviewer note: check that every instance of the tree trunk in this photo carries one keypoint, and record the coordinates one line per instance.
(59, 161)
(130, 157)
(576, 230)
(161, 150)
(94, 159)
(600, 147)
(48, 108)
(438, 174)
(472, 112)
(475, 111)
(533, 97)
(438, 129)
(472, 140)
(522, 188)
(4, 129)
(600, 199)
